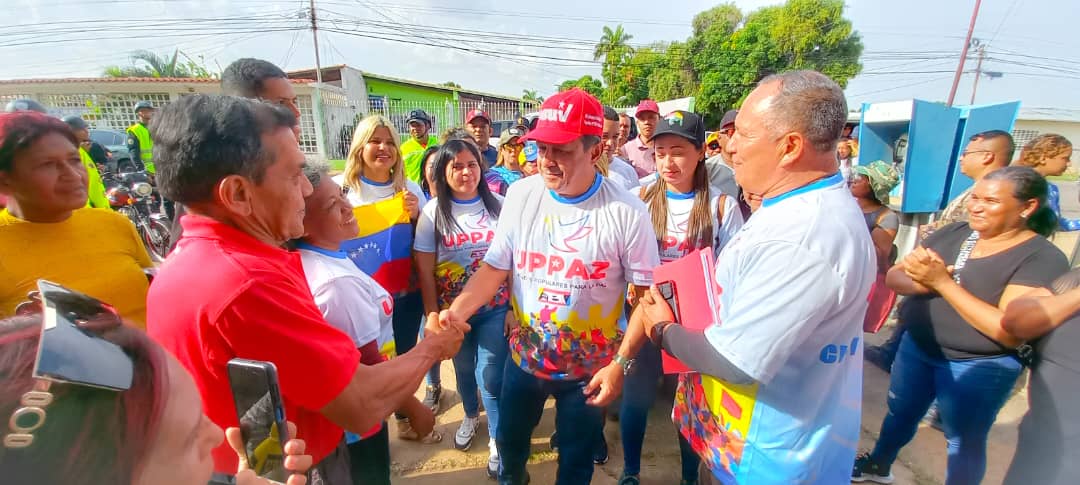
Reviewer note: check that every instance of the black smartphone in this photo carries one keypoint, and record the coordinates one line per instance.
(262, 416)
(667, 290)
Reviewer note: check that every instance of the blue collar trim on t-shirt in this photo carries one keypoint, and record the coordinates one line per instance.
(671, 194)
(819, 184)
(377, 184)
(333, 254)
(583, 197)
(467, 201)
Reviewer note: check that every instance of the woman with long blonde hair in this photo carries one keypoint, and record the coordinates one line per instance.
(375, 173)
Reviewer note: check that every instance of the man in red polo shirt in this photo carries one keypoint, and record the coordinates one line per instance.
(229, 289)
(639, 151)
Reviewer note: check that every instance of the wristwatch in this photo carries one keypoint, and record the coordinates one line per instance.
(628, 365)
(657, 334)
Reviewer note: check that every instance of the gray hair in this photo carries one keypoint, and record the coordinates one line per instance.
(809, 103)
(315, 169)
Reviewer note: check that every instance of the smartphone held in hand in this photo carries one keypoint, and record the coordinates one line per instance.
(261, 413)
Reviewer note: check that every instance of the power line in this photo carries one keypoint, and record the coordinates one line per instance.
(918, 83)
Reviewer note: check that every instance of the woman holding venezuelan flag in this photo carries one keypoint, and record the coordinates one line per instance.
(387, 205)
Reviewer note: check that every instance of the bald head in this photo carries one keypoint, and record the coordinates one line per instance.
(786, 133)
(808, 103)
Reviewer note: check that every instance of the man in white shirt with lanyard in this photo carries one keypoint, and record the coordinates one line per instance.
(778, 395)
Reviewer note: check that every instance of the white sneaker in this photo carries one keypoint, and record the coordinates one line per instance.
(466, 432)
(493, 460)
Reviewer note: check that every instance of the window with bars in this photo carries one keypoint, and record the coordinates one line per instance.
(1022, 137)
(102, 111)
(308, 142)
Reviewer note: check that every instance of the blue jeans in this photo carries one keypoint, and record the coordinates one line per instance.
(969, 393)
(482, 359)
(408, 321)
(639, 394)
(521, 406)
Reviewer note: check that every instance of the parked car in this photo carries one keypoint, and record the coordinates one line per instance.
(116, 144)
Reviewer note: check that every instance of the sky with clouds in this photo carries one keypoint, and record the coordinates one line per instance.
(911, 47)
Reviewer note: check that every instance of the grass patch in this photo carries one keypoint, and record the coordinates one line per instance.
(337, 165)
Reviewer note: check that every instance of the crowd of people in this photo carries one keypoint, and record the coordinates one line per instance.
(529, 264)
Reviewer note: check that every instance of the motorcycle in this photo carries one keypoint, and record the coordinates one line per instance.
(132, 194)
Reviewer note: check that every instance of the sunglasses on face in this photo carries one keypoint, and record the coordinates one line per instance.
(714, 146)
(70, 351)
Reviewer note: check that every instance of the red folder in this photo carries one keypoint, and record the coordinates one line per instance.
(696, 294)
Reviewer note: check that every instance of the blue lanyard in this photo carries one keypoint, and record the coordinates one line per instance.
(820, 184)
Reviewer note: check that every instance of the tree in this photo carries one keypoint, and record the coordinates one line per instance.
(587, 83)
(728, 52)
(451, 84)
(531, 97)
(148, 64)
(730, 58)
(614, 49)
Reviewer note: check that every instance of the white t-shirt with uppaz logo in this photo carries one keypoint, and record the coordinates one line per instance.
(459, 252)
(674, 244)
(571, 259)
(349, 299)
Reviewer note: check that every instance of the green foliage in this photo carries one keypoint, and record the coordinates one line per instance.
(614, 49)
(451, 84)
(148, 64)
(531, 97)
(587, 83)
(728, 52)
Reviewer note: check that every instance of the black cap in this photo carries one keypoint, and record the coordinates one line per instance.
(729, 118)
(683, 123)
(418, 115)
(522, 122)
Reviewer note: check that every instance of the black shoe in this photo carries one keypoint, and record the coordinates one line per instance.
(866, 470)
(433, 398)
(879, 356)
(629, 480)
(600, 454)
(554, 441)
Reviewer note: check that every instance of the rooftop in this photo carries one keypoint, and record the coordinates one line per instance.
(1049, 114)
(333, 73)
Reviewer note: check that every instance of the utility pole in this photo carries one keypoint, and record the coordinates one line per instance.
(316, 108)
(979, 46)
(963, 53)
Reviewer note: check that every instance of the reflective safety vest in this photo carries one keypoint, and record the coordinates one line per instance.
(96, 190)
(146, 145)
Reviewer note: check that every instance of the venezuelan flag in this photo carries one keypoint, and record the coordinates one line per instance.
(384, 246)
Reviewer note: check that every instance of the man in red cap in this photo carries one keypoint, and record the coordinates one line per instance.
(573, 243)
(478, 124)
(639, 151)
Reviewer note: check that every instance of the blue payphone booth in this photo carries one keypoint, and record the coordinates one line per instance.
(924, 141)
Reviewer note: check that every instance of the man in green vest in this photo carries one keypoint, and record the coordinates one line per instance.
(139, 143)
(413, 148)
(97, 198)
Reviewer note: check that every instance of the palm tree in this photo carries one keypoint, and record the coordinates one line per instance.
(148, 64)
(614, 48)
(531, 97)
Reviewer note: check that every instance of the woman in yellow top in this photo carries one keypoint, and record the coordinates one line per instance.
(48, 232)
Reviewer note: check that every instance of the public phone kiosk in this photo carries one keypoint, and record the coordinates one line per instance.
(923, 140)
